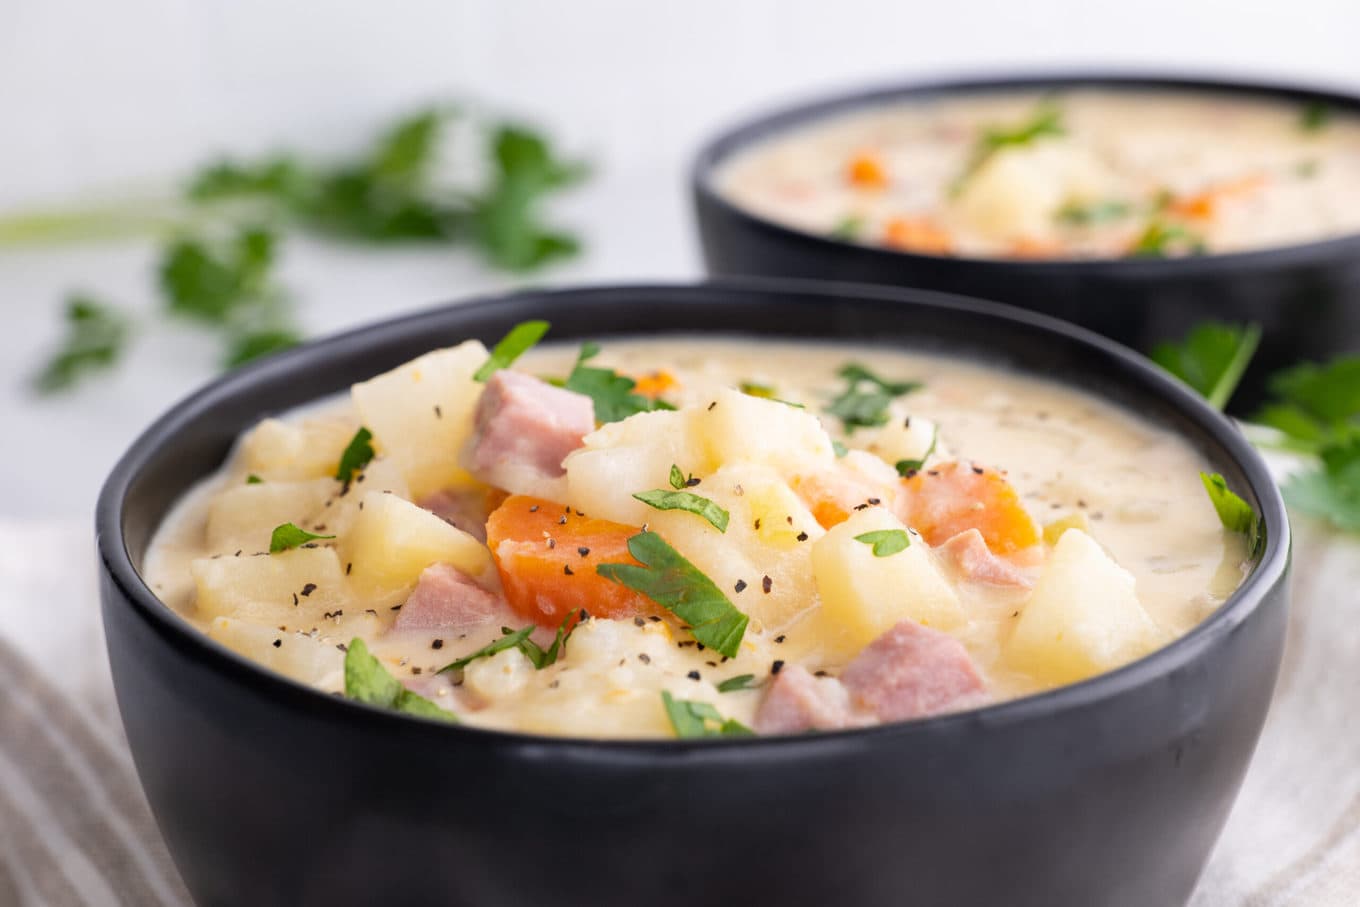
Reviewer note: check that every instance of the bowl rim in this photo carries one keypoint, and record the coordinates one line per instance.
(174, 630)
(750, 130)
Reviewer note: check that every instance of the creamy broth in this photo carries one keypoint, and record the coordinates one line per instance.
(1073, 460)
(1071, 174)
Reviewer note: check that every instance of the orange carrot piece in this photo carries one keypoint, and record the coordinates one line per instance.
(655, 384)
(951, 498)
(546, 555)
(917, 234)
(866, 171)
(832, 495)
(1203, 205)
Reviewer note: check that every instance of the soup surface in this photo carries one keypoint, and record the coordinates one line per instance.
(815, 536)
(1070, 174)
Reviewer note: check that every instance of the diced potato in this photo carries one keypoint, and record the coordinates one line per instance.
(1015, 194)
(867, 595)
(293, 588)
(421, 415)
(1083, 617)
(770, 533)
(276, 450)
(242, 517)
(907, 438)
(739, 428)
(304, 658)
(392, 540)
(337, 513)
(633, 455)
(500, 676)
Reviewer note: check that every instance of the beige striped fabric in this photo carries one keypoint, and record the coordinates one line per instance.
(75, 829)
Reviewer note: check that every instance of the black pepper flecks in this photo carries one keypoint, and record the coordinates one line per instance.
(644, 658)
(978, 470)
(295, 600)
(566, 568)
(757, 524)
(802, 536)
(308, 589)
(780, 638)
(777, 666)
(349, 567)
(740, 586)
(639, 622)
(278, 643)
(438, 412)
(416, 670)
(766, 584)
(437, 644)
(552, 543)
(533, 508)
(583, 551)
(693, 675)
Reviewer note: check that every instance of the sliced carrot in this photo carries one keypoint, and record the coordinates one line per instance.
(1204, 204)
(655, 384)
(546, 555)
(917, 234)
(833, 494)
(866, 171)
(945, 500)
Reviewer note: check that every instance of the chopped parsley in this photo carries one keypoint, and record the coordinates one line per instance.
(1211, 359)
(848, 228)
(510, 640)
(1235, 514)
(1086, 214)
(611, 392)
(358, 454)
(886, 542)
(253, 479)
(539, 657)
(753, 389)
(740, 682)
(1160, 239)
(1044, 122)
(514, 344)
(96, 335)
(864, 402)
(681, 588)
(699, 719)
(366, 680)
(1315, 116)
(908, 468)
(1330, 490)
(687, 501)
(289, 536)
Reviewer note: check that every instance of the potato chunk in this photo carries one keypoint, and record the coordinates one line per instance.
(739, 428)
(277, 450)
(623, 458)
(865, 595)
(420, 414)
(242, 517)
(303, 658)
(391, 541)
(292, 588)
(1083, 617)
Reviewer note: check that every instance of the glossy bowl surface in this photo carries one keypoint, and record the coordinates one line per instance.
(1110, 791)
(1306, 297)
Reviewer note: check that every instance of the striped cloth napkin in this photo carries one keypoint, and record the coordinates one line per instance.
(75, 829)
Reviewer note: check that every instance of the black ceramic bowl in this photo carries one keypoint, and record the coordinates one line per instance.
(1306, 297)
(1109, 791)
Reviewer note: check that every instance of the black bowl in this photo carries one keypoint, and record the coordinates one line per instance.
(1306, 297)
(1109, 791)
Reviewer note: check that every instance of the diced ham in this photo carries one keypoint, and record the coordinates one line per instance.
(524, 429)
(912, 671)
(970, 556)
(466, 509)
(797, 701)
(447, 599)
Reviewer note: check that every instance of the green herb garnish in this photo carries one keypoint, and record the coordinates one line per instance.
(847, 229)
(908, 468)
(253, 479)
(864, 402)
(366, 680)
(510, 640)
(681, 588)
(540, 657)
(1234, 513)
(611, 392)
(1331, 490)
(1211, 359)
(1085, 214)
(1315, 116)
(1159, 239)
(740, 682)
(1044, 122)
(886, 541)
(699, 719)
(95, 337)
(358, 454)
(839, 449)
(289, 536)
(514, 344)
(687, 501)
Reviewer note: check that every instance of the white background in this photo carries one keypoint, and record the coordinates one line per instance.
(111, 97)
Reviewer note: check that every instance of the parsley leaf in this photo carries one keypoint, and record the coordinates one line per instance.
(699, 719)
(1211, 359)
(253, 479)
(886, 542)
(1159, 239)
(1234, 513)
(289, 536)
(611, 392)
(740, 682)
(1044, 122)
(1328, 394)
(514, 344)
(1330, 491)
(848, 228)
(213, 281)
(908, 468)
(540, 657)
(1315, 116)
(681, 588)
(510, 640)
(95, 336)
(677, 478)
(1085, 214)
(358, 454)
(366, 680)
(864, 402)
(253, 344)
(687, 501)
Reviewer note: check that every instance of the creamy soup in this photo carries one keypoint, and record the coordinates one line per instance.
(1071, 174)
(755, 536)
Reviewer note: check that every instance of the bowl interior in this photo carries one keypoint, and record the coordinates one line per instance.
(194, 438)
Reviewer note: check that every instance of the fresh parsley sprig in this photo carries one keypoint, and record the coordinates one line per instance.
(1045, 121)
(96, 334)
(289, 536)
(358, 453)
(864, 402)
(693, 720)
(517, 341)
(1212, 359)
(1234, 513)
(611, 392)
(885, 542)
(366, 680)
(679, 499)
